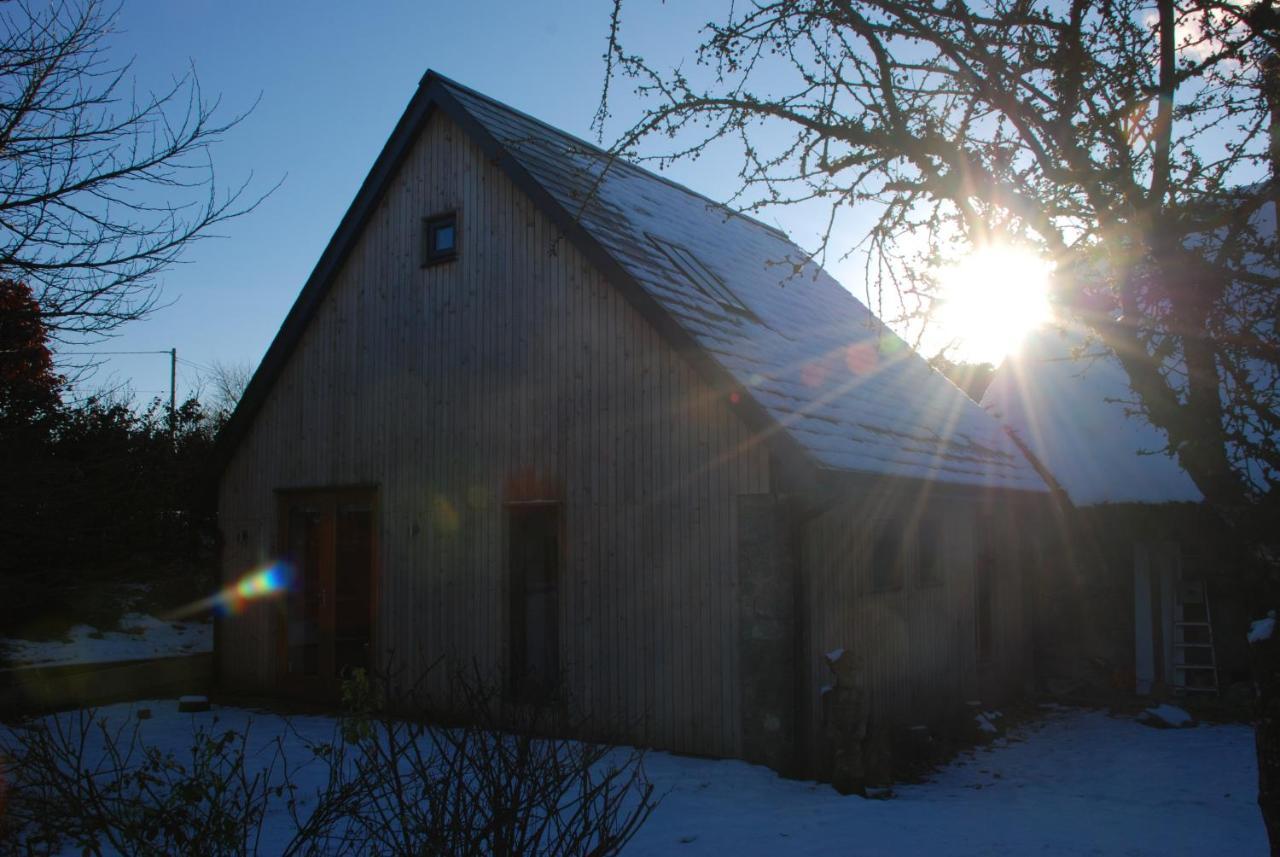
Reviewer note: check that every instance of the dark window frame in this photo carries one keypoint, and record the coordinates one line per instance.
(986, 572)
(431, 256)
(887, 533)
(930, 567)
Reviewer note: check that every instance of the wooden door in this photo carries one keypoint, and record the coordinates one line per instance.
(327, 539)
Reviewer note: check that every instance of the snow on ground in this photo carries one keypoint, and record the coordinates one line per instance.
(1076, 782)
(1168, 715)
(986, 721)
(1079, 782)
(141, 636)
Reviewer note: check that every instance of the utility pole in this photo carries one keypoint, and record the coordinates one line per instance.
(173, 397)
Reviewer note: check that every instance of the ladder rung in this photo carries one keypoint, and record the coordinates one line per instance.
(1202, 634)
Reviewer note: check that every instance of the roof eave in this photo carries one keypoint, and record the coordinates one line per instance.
(839, 484)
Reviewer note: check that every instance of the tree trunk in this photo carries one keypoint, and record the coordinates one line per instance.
(1265, 654)
(1266, 675)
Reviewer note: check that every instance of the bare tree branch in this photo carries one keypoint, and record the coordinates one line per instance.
(101, 188)
(1130, 141)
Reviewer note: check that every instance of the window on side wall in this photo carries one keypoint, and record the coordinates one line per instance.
(534, 606)
(886, 558)
(930, 553)
(440, 238)
(984, 582)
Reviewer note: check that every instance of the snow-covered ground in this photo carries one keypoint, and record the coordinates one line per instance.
(141, 636)
(1075, 782)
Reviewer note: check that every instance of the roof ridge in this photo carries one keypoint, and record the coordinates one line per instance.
(617, 159)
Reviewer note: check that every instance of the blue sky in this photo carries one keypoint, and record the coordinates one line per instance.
(332, 80)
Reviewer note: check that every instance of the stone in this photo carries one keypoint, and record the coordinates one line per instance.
(193, 704)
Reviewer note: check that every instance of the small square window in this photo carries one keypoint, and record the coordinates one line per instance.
(440, 237)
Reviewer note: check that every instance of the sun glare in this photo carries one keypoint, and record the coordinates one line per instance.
(989, 301)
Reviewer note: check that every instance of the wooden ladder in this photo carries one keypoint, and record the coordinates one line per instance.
(1195, 663)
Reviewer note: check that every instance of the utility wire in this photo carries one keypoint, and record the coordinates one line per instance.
(104, 353)
(194, 365)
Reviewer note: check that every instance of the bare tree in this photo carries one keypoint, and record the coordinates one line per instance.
(227, 382)
(101, 187)
(1133, 142)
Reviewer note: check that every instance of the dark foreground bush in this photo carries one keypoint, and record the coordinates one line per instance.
(494, 784)
(77, 783)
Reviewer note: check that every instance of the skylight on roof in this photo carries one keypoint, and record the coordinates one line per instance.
(701, 276)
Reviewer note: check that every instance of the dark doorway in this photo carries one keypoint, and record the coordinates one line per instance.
(534, 610)
(328, 540)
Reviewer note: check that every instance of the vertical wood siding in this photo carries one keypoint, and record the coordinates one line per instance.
(917, 643)
(516, 370)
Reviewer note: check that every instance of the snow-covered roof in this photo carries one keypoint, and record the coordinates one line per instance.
(852, 395)
(1069, 409)
(1069, 403)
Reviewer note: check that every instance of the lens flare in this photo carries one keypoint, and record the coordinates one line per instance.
(254, 586)
(260, 583)
(444, 516)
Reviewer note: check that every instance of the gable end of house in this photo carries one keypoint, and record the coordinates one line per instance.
(433, 94)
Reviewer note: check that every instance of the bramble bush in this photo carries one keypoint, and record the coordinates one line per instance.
(498, 782)
(382, 783)
(77, 780)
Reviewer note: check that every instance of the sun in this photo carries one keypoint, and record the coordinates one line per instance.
(989, 301)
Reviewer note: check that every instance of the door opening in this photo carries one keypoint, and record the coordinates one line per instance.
(327, 629)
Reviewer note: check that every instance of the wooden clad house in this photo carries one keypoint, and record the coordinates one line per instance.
(559, 417)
